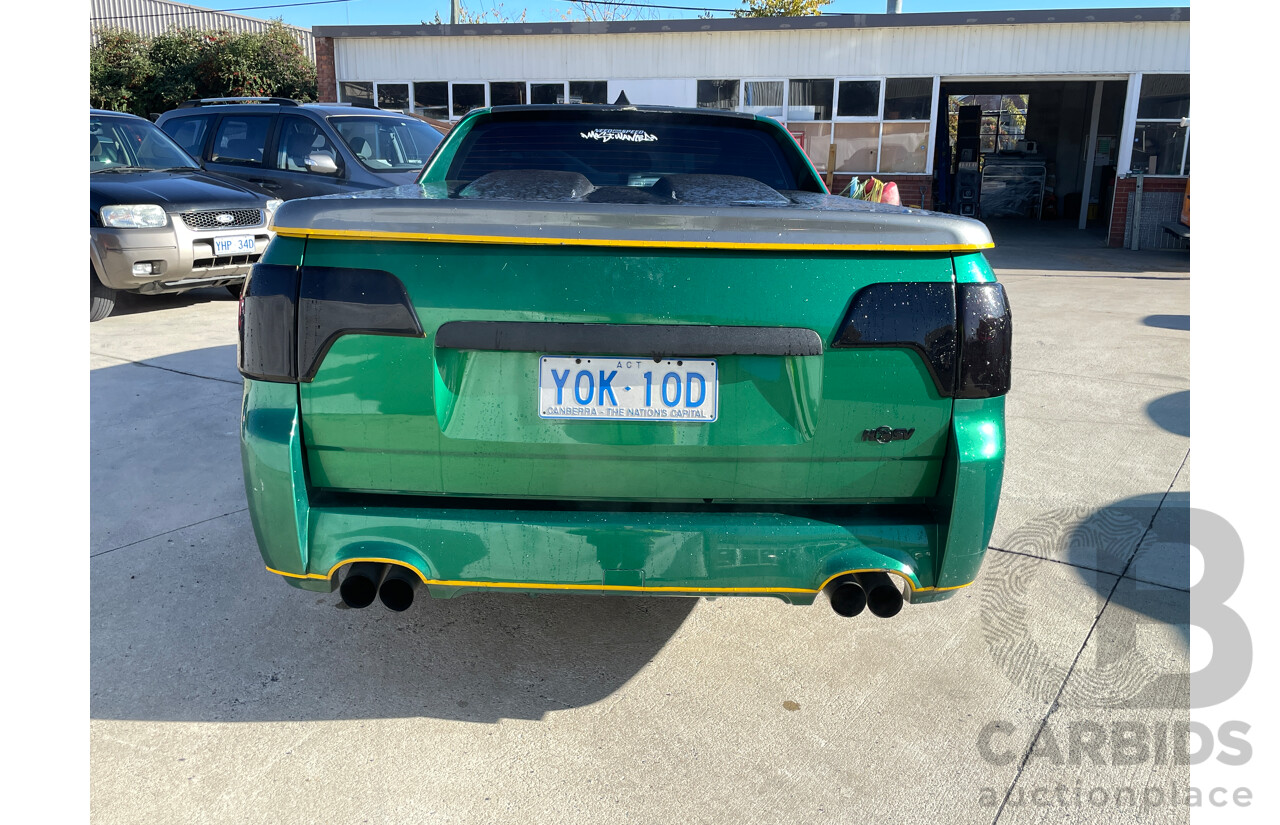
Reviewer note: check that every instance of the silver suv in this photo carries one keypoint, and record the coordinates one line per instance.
(160, 223)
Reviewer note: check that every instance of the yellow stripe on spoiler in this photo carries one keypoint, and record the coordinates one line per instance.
(434, 237)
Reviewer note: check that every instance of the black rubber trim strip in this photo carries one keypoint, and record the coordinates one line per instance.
(919, 316)
(335, 301)
(653, 340)
(833, 512)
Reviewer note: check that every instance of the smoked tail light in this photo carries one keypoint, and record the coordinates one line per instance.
(290, 316)
(962, 332)
(269, 324)
(986, 340)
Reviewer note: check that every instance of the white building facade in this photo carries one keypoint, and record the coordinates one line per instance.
(863, 94)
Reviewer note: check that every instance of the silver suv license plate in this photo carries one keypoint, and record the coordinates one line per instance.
(628, 388)
(233, 245)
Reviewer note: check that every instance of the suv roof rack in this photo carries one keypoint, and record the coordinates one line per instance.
(211, 101)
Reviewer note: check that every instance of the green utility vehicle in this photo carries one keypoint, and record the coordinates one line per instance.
(603, 349)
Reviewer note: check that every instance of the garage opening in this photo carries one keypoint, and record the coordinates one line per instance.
(1020, 149)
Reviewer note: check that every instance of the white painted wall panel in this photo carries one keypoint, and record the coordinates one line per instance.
(968, 51)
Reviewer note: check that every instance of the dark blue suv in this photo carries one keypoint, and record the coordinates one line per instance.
(299, 150)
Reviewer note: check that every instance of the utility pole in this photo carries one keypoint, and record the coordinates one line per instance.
(454, 8)
(893, 7)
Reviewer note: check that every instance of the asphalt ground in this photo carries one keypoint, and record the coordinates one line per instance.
(1052, 690)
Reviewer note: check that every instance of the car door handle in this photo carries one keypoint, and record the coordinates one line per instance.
(265, 184)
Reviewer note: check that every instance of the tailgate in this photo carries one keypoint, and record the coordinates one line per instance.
(857, 414)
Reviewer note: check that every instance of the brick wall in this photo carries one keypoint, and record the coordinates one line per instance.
(326, 75)
(914, 190)
(1161, 202)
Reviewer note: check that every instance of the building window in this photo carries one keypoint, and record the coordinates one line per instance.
(431, 100)
(857, 146)
(859, 98)
(904, 148)
(393, 96)
(355, 92)
(875, 125)
(1004, 120)
(763, 97)
(810, 99)
(908, 98)
(507, 93)
(546, 93)
(588, 91)
(1160, 141)
(467, 96)
(718, 94)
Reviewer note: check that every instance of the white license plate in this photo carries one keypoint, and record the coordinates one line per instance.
(233, 245)
(628, 388)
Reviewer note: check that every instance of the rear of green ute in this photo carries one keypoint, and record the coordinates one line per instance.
(458, 392)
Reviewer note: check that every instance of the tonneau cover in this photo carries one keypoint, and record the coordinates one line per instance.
(426, 212)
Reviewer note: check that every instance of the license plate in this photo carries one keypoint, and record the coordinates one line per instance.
(628, 388)
(233, 245)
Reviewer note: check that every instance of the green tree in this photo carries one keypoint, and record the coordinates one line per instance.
(781, 8)
(130, 73)
(120, 71)
(180, 65)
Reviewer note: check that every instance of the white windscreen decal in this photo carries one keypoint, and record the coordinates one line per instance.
(629, 135)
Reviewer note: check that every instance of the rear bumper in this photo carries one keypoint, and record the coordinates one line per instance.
(460, 546)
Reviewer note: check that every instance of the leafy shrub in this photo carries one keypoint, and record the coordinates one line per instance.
(131, 73)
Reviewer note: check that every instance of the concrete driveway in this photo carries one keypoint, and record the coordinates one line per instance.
(219, 694)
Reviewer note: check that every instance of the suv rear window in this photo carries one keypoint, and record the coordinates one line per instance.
(616, 150)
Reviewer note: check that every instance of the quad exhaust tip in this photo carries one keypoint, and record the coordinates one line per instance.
(851, 593)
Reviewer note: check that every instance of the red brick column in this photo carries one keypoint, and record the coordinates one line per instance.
(914, 190)
(1125, 187)
(326, 78)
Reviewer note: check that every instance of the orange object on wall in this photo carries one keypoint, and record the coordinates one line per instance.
(1185, 217)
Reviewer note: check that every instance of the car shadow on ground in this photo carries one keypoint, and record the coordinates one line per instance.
(187, 625)
(129, 303)
(1172, 412)
(1178, 322)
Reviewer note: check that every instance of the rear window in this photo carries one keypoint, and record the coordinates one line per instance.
(625, 150)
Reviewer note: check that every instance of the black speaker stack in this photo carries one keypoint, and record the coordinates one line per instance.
(968, 187)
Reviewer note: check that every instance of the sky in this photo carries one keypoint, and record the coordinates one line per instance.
(406, 12)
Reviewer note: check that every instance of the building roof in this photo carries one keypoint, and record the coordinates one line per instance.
(1174, 14)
